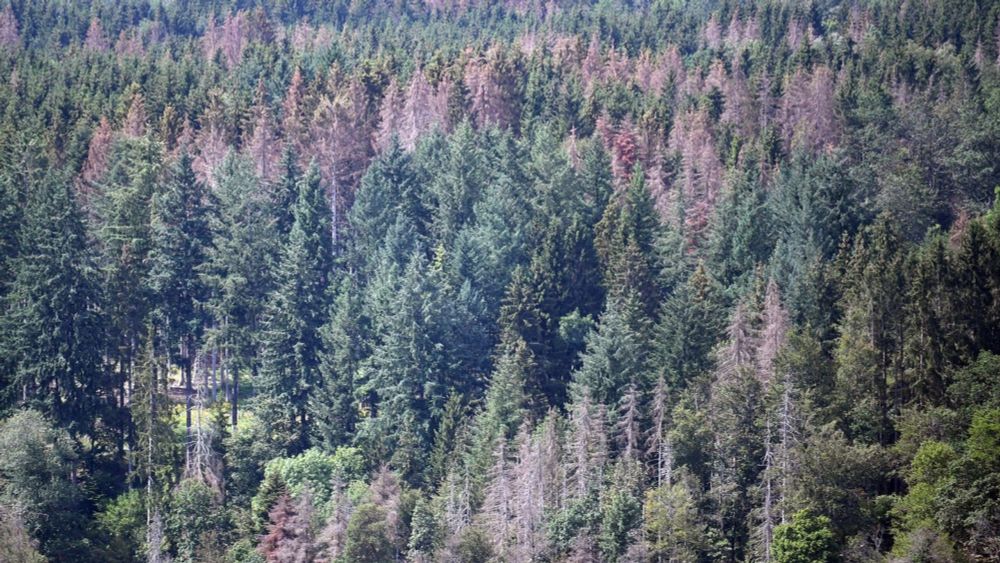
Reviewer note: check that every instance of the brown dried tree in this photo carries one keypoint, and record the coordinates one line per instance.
(10, 37)
(95, 39)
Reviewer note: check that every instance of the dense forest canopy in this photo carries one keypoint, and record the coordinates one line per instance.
(463, 281)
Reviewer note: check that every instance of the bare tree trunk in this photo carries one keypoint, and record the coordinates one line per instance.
(235, 399)
(188, 392)
(153, 532)
(215, 381)
(767, 523)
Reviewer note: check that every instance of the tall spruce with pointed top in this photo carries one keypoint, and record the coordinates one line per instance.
(334, 407)
(241, 269)
(51, 331)
(618, 351)
(180, 240)
(296, 312)
(625, 240)
(285, 191)
(388, 193)
(505, 401)
(870, 348)
(125, 237)
(689, 327)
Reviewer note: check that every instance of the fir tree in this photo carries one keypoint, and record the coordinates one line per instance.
(240, 266)
(344, 345)
(689, 328)
(296, 312)
(181, 236)
(51, 327)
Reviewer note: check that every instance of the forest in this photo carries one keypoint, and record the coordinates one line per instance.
(337, 281)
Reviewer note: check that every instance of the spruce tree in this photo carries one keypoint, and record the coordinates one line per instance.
(689, 327)
(869, 351)
(457, 185)
(625, 241)
(618, 352)
(296, 312)
(180, 240)
(345, 344)
(285, 190)
(51, 331)
(389, 192)
(240, 269)
(125, 236)
(505, 401)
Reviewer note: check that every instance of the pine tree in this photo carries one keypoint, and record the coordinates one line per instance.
(618, 351)
(125, 234)
(487, 250)
(296, 312)
(51, 331)
(240, 266)
(95, 39)
(11, 211)
(658, 443)
(180, 240)
(689, 328)
(628, 428)
(344, 345)
(813, 204)
(97, 163)
(735, 413)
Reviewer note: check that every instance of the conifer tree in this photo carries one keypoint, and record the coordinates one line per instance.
(344, 338)
(689, 328)
(290, 535)
(618, 351)
(51, 330)
(155, 450)
(285, 190)
(388, 193)
(240, 266)
(296, 312)
(932, 340)
(505, 401)
(125, 234)
(458, 185)
(424, 533)
(625, 243)
(870, 347)
(672, 522)
(180, 240)
(333, 537)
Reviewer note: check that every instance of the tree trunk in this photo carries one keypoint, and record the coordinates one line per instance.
(188, 392)
(235, 397)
